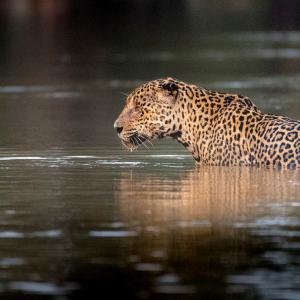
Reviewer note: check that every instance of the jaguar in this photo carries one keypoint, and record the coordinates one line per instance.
(220, 129)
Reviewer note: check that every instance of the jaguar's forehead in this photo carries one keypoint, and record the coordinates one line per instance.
(149, 86)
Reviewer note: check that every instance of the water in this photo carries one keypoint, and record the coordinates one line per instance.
(153, 224)
(80, 216)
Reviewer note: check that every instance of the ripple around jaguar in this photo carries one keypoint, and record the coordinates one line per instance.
(155, 160)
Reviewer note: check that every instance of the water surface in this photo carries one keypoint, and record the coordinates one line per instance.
(154, 224)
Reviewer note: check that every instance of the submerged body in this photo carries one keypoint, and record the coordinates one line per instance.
(216, 128)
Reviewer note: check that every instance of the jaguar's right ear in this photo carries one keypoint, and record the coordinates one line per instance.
(171, 89)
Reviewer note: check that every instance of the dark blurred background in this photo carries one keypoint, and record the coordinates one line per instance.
(39, 38)
(65, 65)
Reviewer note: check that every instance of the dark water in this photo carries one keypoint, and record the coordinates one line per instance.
(79, 216)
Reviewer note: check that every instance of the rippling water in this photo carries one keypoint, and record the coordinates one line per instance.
(155, 225)
(80, 216)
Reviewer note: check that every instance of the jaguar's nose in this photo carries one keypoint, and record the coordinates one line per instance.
(118, 126)
(119, 129)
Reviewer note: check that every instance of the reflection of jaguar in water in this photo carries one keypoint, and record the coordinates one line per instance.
(206, 227)
(207, 193)
(217, 128)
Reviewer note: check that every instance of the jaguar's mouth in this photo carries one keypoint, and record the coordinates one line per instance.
(132, 142)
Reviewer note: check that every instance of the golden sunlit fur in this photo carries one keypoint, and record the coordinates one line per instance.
(216, 128)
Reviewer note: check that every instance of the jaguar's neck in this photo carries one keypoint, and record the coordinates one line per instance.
(195, 118)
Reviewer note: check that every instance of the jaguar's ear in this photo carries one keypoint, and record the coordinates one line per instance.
(171, 89)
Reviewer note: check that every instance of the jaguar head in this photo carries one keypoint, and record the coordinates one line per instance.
(148, 113)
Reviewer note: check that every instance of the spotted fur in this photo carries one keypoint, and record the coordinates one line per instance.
(217, 128)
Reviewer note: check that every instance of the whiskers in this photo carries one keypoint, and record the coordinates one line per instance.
(143, 140)
(132, 140)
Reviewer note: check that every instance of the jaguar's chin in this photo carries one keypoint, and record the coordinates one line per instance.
(128, 145)
(132, 142)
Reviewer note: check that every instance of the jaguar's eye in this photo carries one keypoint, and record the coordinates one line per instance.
(171, 87)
